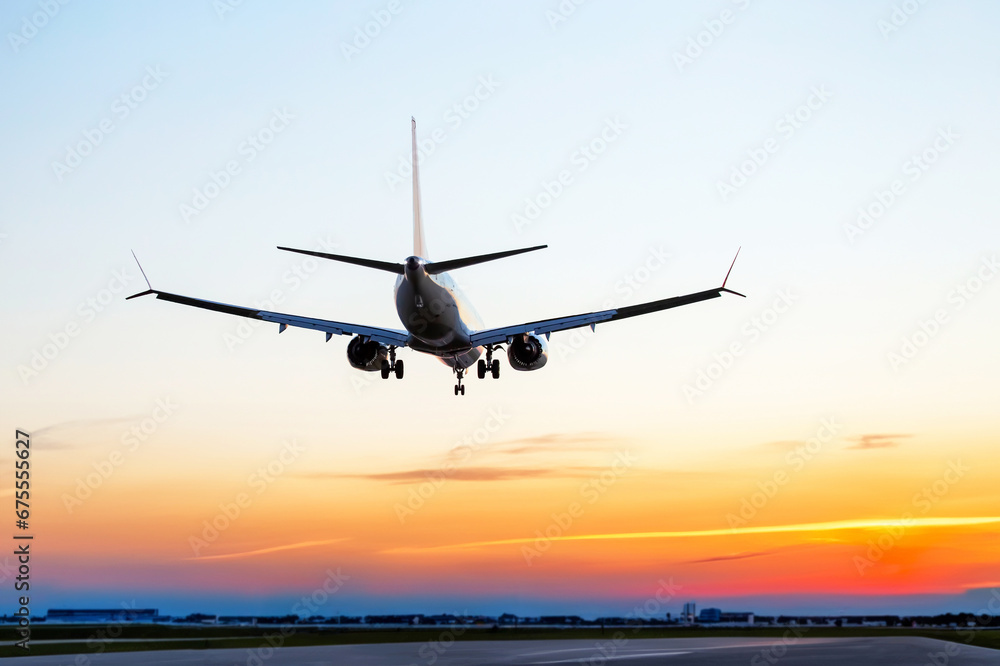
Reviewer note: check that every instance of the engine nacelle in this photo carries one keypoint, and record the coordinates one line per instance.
(527, 352)
(366, 355)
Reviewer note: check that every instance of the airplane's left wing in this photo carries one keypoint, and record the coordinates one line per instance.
(495, 336)
(386, 336)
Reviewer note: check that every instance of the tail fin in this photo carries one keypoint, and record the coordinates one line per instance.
(419, 246)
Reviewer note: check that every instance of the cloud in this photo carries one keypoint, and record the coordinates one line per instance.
(262, 551)
(877, 441)
(734, 556)
(483, 473)
(586, 441)
(832, 526)
(59, 435)
(459, 474)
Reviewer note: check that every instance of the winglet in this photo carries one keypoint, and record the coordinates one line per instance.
(723, 287)
(150, 289)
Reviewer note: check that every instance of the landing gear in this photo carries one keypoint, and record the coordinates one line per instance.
(459, 389)
(489, 365)
(391, 365)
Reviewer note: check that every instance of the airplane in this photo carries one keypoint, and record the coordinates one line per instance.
(436, 317)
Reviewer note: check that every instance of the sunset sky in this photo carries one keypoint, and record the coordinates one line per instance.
(827, 444)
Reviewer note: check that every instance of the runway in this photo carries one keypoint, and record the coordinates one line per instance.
(790, 651)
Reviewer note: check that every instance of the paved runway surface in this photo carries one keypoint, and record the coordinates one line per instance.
(635, 652)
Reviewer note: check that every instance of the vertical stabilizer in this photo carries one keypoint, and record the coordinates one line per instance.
(419, 247)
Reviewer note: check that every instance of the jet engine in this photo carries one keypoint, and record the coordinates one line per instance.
(366, 355)
(527, 352)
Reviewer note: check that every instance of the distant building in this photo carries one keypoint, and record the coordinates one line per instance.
(102, 615)
(710, 615)
(197, 618)
(689, 614)
(736, 618)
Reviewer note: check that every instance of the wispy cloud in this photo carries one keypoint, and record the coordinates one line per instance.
(264, 551)
(586, 441)
(876, 441)
(481, 473)
(459, 474)
(734, 556)
(70, 434)
(837, 525)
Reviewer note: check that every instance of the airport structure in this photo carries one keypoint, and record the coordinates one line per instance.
(708, 618)
(102, 615)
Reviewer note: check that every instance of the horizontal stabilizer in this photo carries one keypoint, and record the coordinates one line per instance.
(370, 263)
(436, 267)
(433, 268)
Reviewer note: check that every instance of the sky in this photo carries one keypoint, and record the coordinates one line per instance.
(826, 444)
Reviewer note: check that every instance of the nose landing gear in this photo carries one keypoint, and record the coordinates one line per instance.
(459, 389)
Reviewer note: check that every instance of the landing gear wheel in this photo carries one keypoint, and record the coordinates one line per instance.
(386, 369)
(459, 389)
(495, 369)
(482, 368)
(398, 369)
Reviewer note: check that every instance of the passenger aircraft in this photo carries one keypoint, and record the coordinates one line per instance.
(436, 317)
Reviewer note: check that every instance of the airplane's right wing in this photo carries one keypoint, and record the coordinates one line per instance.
(495, 336)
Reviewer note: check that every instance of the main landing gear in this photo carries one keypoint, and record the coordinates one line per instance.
(489, 365)
(459, 389)
(392, 365)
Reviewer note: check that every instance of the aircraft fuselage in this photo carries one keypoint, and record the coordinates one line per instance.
(437, 315)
